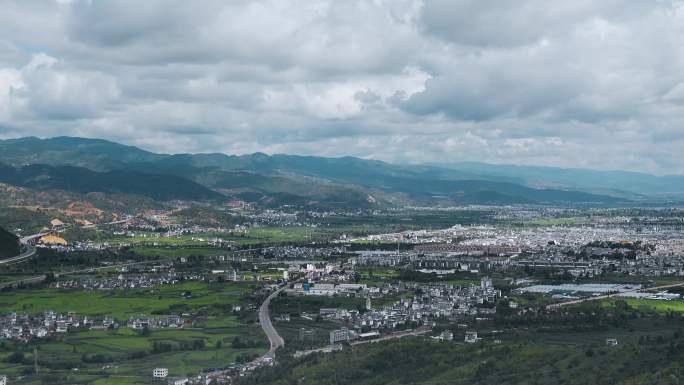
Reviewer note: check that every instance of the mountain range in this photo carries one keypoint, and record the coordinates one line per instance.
(88, 165)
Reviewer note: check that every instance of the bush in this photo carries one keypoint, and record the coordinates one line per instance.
(15, 358)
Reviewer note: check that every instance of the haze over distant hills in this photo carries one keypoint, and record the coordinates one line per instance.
(86, 165)
(627, 181)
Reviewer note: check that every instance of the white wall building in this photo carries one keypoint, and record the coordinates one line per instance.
(160, 372)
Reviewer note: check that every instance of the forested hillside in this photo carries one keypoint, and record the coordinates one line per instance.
(9, 244)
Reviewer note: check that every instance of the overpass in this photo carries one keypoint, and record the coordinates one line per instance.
(29, 241)
(27, 244)
(29, 252)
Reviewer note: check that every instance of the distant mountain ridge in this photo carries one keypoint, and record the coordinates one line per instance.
(82, 180)
(277, 179)
(576, 178)
(96, 154)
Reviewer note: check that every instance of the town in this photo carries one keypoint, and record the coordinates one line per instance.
(330, 293)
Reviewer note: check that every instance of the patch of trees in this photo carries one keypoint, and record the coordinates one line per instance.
(159, 347)
(239, 343)
(9, 244)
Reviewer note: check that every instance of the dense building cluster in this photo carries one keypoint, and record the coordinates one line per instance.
(48, 324)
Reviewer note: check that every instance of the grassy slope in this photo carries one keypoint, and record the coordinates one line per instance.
(418, 361)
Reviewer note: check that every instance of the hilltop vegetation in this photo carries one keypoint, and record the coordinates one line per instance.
(416, 361)
(541, 349)
(82, 180)
(9, 244)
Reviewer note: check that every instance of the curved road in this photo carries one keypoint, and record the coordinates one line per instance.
(265, 321)
(30, 251)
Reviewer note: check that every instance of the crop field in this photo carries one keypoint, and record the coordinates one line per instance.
(660, 306)
(127, 356)
(152, 239)
(569, 221)
(252, 236)
(173, 253)
(124, 303)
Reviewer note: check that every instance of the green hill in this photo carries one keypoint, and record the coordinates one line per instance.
(9, 244)
(82, 180)
(423, 362)
(273, 180)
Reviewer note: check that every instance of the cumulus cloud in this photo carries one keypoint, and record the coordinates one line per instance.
(576, 84)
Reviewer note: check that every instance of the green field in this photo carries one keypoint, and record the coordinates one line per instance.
(126, 356)
(650, 351)
(121, 304)
(250, 236)
(657, 305)
(569, 221)
(173, 253)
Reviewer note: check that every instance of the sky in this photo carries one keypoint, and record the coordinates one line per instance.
(582, 83)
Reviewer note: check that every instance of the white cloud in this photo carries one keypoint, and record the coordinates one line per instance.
(582, 83)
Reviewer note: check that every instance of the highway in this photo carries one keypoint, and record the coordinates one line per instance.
(31, 250)
(28, 253)
(265, 321)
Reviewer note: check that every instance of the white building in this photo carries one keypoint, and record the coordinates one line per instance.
(322, 289)
(486, 283)
(160, 372)
(446, 335)
(471, 337)
(178, 381)
(341, 335)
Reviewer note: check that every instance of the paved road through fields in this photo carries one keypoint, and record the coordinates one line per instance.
(265, 321)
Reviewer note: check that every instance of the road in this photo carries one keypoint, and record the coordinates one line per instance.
(393, 336)
(600, 297)
(30, 251)
(265, 321)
